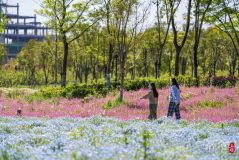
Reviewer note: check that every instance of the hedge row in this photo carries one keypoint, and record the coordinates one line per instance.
(84, 90)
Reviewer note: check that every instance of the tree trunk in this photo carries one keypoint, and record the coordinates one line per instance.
(92, 63)
(214, 68)
(104, 64)
(76, 76)
(178, 50)
(32, 77)
(93, 73)
(178, 47)
(196, 43)
(45, 74)
(159, 62)
(192, 70)
(56, 59)
(134, 44)
(96, 71)
(111, 47)
(112, 67)
(197, 34)
(161, 39)
(234, 67)
(80, 75)
(134, 64)
(132, 73)
(184, 66)
(122, 73)
(116, 68)
(237, 68)
(195, 63)
(64, 67)
(86, 74)
(204, 71)
(109, 68)
(156, 69)
(169, 62)
(134, 57)
(169, 68)
(145, 62)
(100, 73)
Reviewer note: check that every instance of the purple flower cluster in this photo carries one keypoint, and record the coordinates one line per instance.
(135, 108)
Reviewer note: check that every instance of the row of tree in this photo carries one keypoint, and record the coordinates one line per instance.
(100, 37)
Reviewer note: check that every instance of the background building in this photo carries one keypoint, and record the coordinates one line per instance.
(19, 29)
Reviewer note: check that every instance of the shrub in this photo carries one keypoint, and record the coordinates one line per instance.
(38, 141)
(46, 93)
(210, 104)
(237, 88)
(186, 80)
(51, 92)
(224, 81)
(206, 81)
(77, 91)
(113, 103)
(99, 89)
(203, 136)
(221, 81)
(16, 92)
(10, 79)
(145, 143)
(161, 83)
(13, 93)
(188, 96)
(4, 155)
(235, 124)
(139, 83)
(115, 85)
(74, 91)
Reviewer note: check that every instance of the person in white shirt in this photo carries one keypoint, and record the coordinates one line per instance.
(174, 100)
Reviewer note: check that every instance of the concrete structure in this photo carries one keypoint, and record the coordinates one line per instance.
(19, 29)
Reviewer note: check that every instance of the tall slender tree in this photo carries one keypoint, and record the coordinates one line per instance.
(201, 8)
(178, 46)
(109, 27)
(163, 11)
(123, 11)
(69, 17)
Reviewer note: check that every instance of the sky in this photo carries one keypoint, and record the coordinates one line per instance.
(28, 7)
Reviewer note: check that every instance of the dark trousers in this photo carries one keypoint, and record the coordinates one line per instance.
(174, 108)
(153, 111)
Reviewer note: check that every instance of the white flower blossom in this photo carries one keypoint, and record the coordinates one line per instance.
(99, 138)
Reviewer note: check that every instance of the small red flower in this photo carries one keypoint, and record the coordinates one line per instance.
(232, 148)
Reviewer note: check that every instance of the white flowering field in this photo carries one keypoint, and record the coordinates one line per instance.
(108, 138)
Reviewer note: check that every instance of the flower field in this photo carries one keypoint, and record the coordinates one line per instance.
(213, 104)
(90, 128)
(109, 138)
